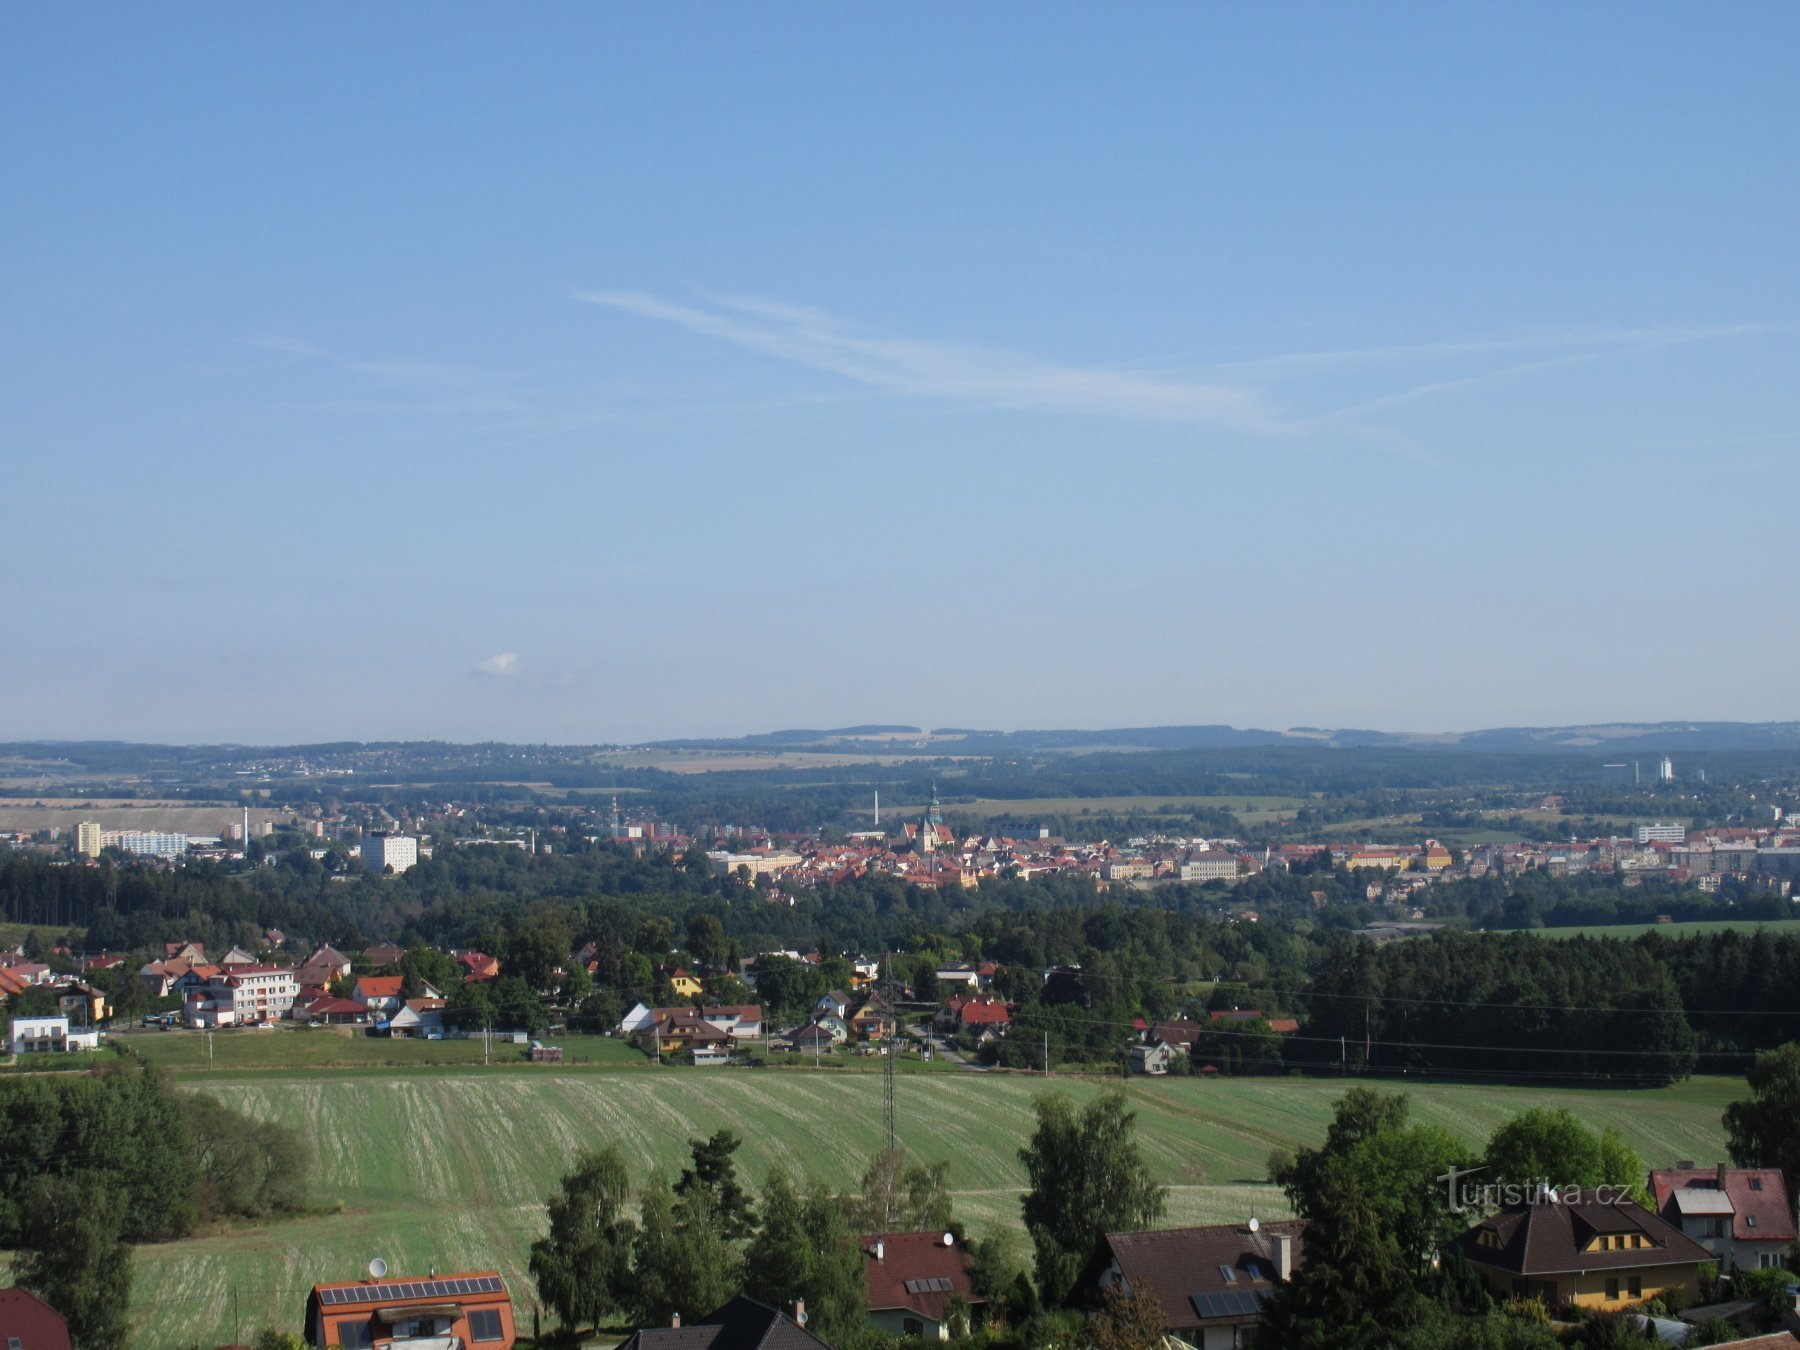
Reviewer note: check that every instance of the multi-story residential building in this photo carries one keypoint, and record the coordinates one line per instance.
(88, 841)
(1209, 867)
(381, 851)
(1659, 833)
(241, 995)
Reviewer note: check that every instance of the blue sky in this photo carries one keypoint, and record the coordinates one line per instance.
(591, 373)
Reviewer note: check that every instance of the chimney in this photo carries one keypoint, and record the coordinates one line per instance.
(1721, 1176)
(675, 1319)
(880, 1250)
(800, 1311)
(1281, 1248)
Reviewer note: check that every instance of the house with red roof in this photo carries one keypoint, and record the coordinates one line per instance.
(381, 994)
(912, 1280)
(973, 1012)
(1741, 1215)
(478, 967)
(29, 1323)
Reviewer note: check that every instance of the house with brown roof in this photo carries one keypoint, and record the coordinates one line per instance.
(29, 1323)
(383, 954)
(1211, 1282)
(742, 1324)
(1178, 1033)
(1573, 1248)
(1743, 1216)
(918, 1283)
(471, 1310)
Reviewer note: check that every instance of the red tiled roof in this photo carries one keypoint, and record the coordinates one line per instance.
(28, 1320)
(1759, 1193)
(381, 986)
(922, 1261)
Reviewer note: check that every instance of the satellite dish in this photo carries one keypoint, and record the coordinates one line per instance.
(949, 1239)
(377, 1268)
(1255, 1223)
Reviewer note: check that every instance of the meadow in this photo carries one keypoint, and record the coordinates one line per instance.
(450, 1168)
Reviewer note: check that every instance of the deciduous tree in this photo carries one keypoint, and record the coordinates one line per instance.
(582, 1266)
(1086, 1179)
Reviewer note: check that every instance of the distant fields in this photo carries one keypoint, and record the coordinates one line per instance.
(1251, 808)
(19, 812)
(1790, 927)
(450, 1168)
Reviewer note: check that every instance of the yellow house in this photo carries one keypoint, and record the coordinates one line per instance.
(684, 983)
(1589, 1249)
(1437, 857)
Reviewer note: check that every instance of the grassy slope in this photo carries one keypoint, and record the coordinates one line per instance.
(451, 1168)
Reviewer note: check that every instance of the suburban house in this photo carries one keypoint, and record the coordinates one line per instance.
(192, 952)
(640, 1016)
(913, 1279)
(30, 1035)
(1567, 1248)
(1179, 1033)
(1152, 1059)
(82, 1003)
(328, 1009)
(29, 1323)
(1211, 1282)
(971, 1012)
(742, 1324)
(820, 1037)
(673, 1030)
(447, 1310)
(835, 1002)
(418, 1017)
(968, 977)
(1742, 1216)
(383, 954)
(685, 983)
(381, 994)
(327, 957)
(740, 1021)
(873, 1021)
(478, 967)
(237, 956)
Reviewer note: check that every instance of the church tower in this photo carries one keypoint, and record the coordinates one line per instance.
(928, 827)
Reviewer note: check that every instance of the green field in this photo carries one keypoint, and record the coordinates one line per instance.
(450, 1168)
(286, 1048)
(1250, 809)
(1624, 931)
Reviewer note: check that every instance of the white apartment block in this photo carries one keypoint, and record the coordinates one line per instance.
(382, 851)
(242, 994)
(1660, 834)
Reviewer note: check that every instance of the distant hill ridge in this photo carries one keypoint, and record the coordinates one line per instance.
(1641, 738)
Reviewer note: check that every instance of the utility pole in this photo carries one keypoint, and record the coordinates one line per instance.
(1046, 1054)
(485, 1033)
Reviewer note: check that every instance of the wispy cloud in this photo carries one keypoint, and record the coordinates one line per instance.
(1241, 395)
(947, 370)
(502, 664)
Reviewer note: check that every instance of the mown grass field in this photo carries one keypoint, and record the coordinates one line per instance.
(451, 1168)
(1700, 927)
(287, 1048)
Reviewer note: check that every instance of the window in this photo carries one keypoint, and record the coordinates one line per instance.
(1767, 1260)
(1612, 1289)
(353, 1334)
(1750, 1220)
(14, 1343)
(1756, 1183)
(1635, 1286)
(484, 1325)
(1227, 1274)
